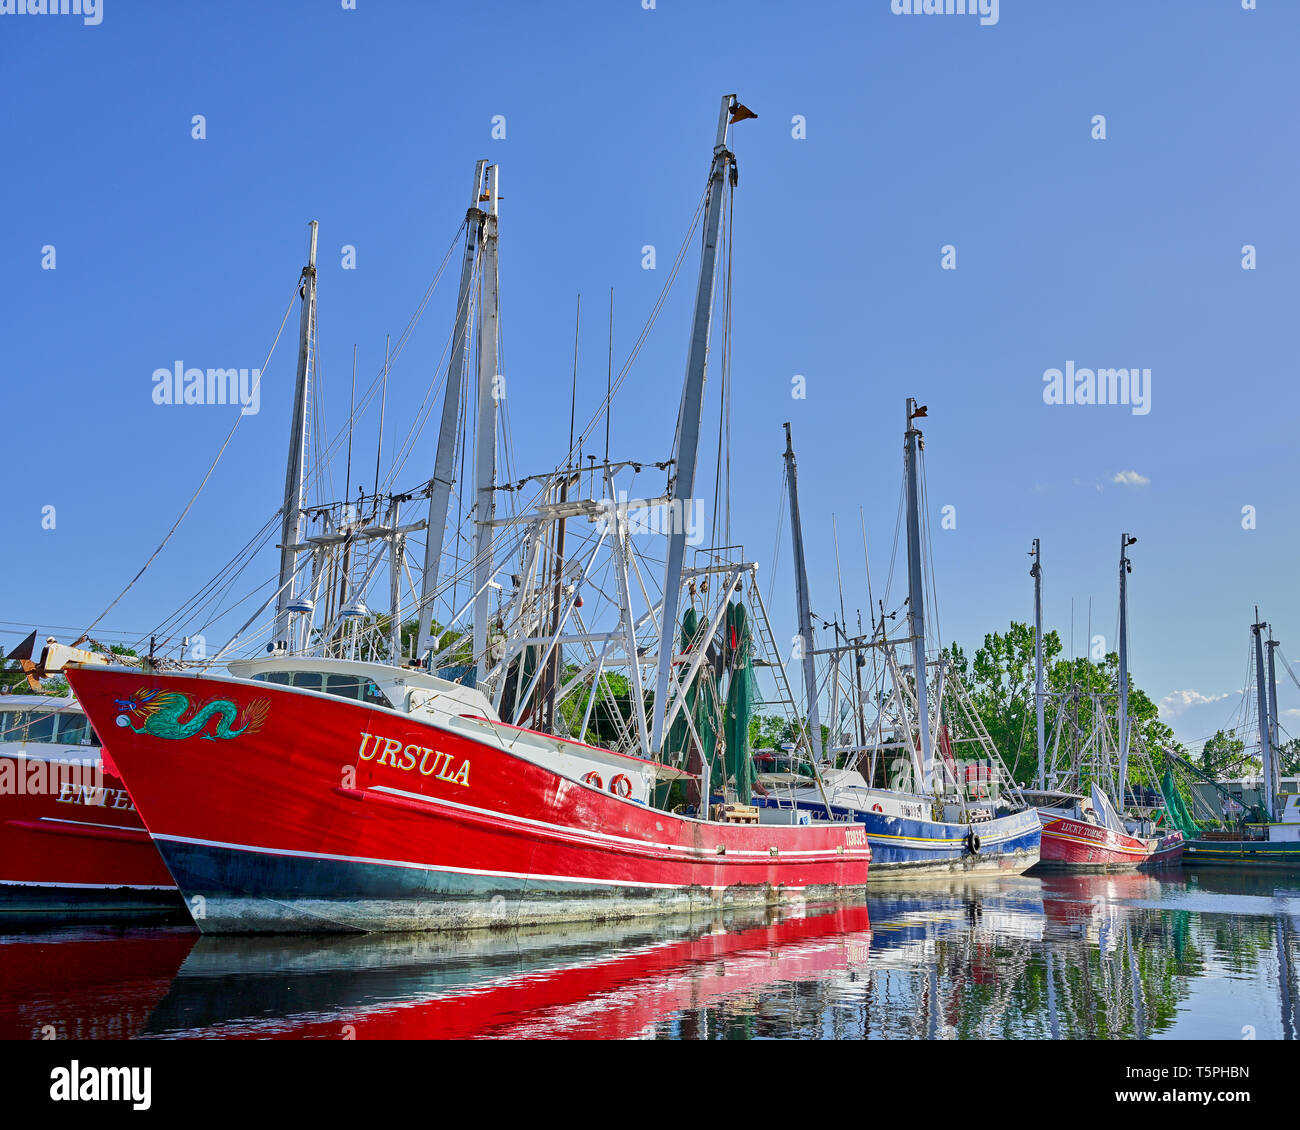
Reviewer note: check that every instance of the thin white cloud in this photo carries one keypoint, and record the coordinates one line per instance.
(1130, 479)
(1179, 701)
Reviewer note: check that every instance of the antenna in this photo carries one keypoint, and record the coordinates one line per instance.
(609, 374)
(352, 411)
(835, 535)
(866, 560)
(573, 398)
(383, 404)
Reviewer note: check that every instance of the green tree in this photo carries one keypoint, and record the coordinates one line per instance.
(1000, 680)
(1221, 752)
(1289, 757)
(1001, 683)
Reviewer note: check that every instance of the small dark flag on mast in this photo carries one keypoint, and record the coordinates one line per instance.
(739, 112)
(922, 411)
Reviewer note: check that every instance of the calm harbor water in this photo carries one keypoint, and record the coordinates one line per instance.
(1182, 955)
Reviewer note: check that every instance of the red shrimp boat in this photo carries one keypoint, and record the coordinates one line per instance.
(71, 841)
(1076, 839)
(342, 783)
(1088, 847)
(302, 811)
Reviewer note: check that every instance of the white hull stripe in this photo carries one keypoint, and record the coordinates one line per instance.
(90, 824)
(84, 886)
(526, 876)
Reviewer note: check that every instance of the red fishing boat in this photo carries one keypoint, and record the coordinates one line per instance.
(282, 809)
(71, 841)
(1073, 841)
(487, 772)
(1088, 833)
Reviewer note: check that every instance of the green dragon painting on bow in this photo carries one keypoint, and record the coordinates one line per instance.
(160, 712)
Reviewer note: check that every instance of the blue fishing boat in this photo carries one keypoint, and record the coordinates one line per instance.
(921, 774)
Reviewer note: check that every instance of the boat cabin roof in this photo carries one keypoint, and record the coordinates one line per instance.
(37, 702)
(396, 683)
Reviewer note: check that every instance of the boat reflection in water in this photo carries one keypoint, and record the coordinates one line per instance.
(1124, 956)
(584, 982)
(86, 983)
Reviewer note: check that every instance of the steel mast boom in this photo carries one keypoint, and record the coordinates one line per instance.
(444, 461)
(1274, 734)
(291, 525)
(688, 421)
(1037, 573)
(801, 596)
(1265, 739)
(1124, 569)
(485, 443)
(916, 592)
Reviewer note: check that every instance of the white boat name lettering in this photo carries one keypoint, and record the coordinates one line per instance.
(1088, 832)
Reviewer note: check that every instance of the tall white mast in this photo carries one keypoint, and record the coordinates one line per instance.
(1037, 573)
(801, 597)
(1274, 735)
(485, 443)
(294, 499)
(1265, 738)
(444, 461)
(688, 421)
(1124, 569)
(916, 591)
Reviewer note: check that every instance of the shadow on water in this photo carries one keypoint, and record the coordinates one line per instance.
(1092, 957)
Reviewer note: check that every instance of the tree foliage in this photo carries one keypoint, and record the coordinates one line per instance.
(1000, 679)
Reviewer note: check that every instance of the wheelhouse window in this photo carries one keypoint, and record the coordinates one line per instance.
(11, 725)
(40, 726)
(67, 727)
(74, 729)
(353, 687)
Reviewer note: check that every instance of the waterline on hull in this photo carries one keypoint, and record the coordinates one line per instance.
(299, 895)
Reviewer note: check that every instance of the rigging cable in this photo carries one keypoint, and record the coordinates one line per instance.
(194, 497)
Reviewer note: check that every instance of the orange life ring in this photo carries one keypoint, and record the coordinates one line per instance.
(593, 779)
(620, 786)
(876, 808)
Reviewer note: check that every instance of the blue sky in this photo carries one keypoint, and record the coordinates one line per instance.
(921, 131)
